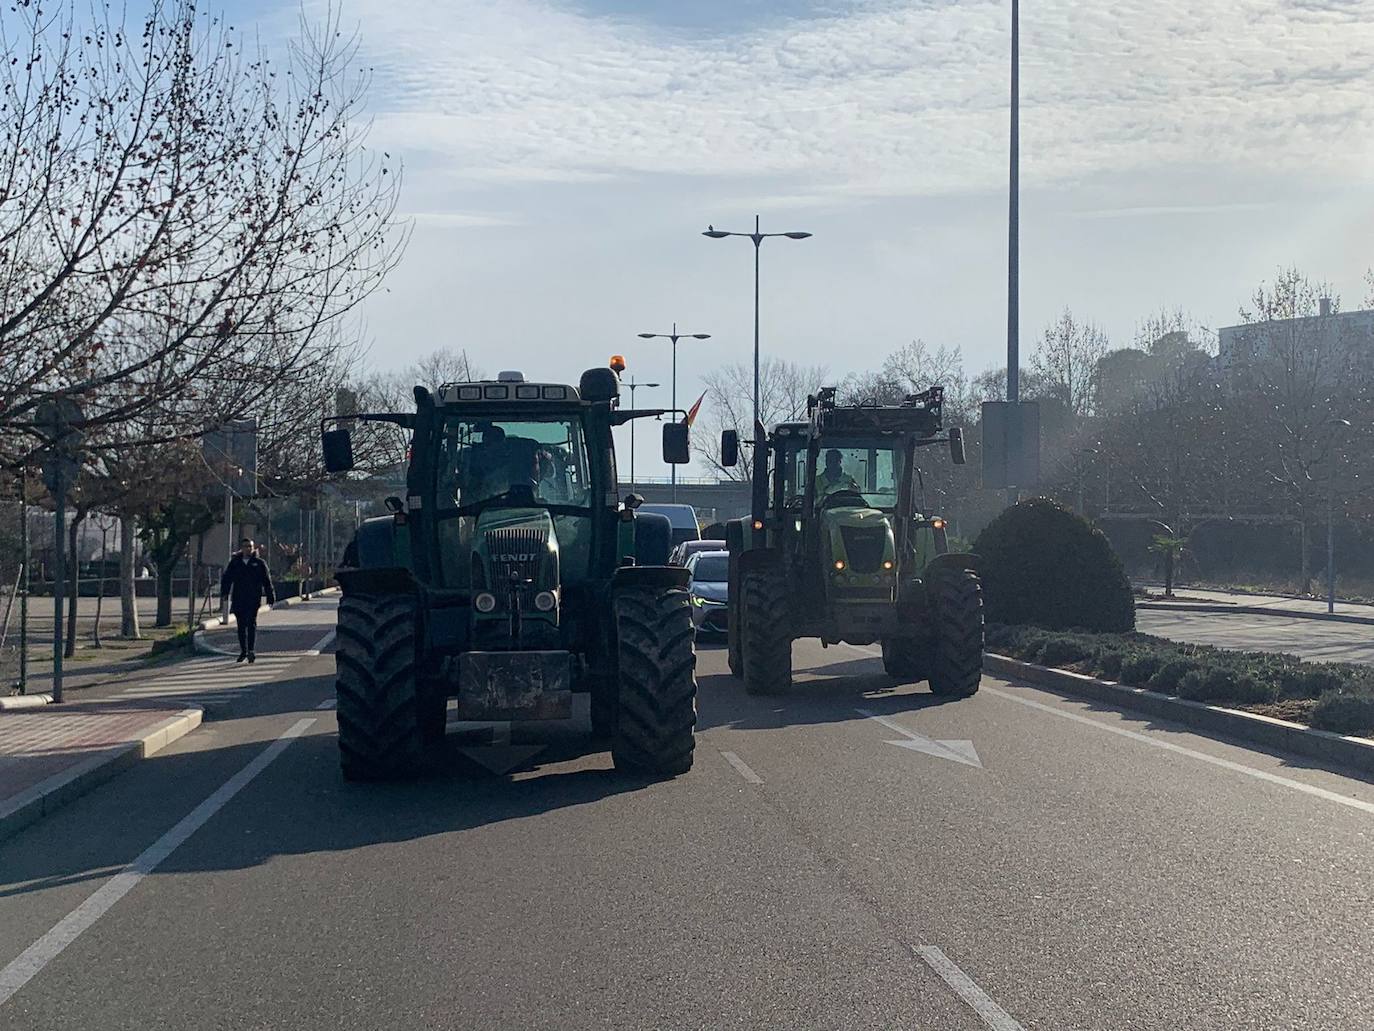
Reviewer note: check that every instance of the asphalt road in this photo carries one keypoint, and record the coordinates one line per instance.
(1085, 870)
(1312, 639)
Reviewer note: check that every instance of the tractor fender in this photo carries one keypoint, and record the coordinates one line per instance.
(950, 561)
(756, 558)
(650, 576)
(371, 563)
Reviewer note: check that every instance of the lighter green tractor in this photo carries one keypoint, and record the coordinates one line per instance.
(838, 547)
(510, 577)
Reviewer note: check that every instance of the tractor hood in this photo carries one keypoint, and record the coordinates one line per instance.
(859, 537)
(517, 545)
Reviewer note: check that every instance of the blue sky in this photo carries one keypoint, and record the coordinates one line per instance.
(562, 157)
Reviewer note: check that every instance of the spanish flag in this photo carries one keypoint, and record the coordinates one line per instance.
(692, 412)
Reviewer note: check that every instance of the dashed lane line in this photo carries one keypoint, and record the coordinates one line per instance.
(32, 960)
(742, 768)
(993, 1015)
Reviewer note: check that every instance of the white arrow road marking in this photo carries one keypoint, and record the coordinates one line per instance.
(501, 756)
(956, 751)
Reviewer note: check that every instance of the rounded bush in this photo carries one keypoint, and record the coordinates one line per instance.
(1109, 663)
(1345, 712)
(1043, 565)
(1309, 682)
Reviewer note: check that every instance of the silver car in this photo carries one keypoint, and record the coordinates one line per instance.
(710, 572)
(687, 549)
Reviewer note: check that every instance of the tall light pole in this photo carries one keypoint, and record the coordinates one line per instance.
(758, 238)
(633, 386)
(1014, 250)
(674, 336)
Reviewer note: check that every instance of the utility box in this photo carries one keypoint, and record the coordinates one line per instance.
(1011, 444)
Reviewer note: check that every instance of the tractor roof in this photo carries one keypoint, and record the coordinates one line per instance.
(505, 391)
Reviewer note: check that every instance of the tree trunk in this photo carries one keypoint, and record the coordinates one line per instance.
(128, 600)
(1305, 563)
(73, 581)
(165, 569)
(100, 588)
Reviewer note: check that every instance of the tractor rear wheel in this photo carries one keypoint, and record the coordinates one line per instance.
(388, 722)
(734, 648)
(766, 636)
(657, 688)
(957, 607)
(906, 659)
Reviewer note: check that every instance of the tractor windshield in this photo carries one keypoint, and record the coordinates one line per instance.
(871, 470)
(485, 457)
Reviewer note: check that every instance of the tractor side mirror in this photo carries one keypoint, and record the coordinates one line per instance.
(956, 445)
(676, 448)
(729, 449)
(338, 450)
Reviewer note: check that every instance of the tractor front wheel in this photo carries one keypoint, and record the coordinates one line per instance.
(656, 698)
(957, 606)
(388, 721)
(766, 636)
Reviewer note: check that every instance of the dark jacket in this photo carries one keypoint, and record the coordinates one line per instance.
(245, 583)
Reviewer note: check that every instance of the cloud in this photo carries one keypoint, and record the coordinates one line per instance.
(876, 99)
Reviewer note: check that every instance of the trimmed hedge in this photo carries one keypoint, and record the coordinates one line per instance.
(1344, 692)
(1042, 565)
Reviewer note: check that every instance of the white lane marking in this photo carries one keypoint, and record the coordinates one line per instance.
(994, 1016)
(1169, 746)
(742, 768)
(328, 703)
(321, 644)
(47, 948)
(960, 751)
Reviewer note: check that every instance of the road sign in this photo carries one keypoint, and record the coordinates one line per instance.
(1011, 444)
(59, 472)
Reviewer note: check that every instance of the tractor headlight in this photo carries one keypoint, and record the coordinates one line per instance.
(544, 601)
(485, 602)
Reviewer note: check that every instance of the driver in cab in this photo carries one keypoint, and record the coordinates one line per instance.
(833, 477)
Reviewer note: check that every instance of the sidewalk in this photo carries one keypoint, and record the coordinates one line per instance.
(51, 754)
(1198, 600)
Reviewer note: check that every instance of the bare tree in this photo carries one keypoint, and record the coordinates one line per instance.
(1066, 359)
(783, 389)
(1299, 376)
(182, 220)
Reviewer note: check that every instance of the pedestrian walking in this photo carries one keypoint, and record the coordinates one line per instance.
(242, 588)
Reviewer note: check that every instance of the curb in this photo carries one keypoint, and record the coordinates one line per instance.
(1252, 610)
(50, 795)
(1351, 752)
(14, 702)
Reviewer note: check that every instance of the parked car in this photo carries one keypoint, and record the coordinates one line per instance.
(683, 518)
(708, 586)
(687, 549)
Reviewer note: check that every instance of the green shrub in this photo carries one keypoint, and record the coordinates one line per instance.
(1225, 684)
(1310, 681)
(1169, 675)
(1109, 663)
(1139, 667)
(1061, 651)
(1345, 712)
(1042, 565)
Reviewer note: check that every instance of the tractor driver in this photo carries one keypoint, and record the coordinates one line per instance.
(833, 477)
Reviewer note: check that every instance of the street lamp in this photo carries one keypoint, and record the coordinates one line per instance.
(674, 336)
(633, 386)
(758, 238)
(1336, 425)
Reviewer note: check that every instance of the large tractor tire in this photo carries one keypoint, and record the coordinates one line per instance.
(957, 606)
(657, 687)
(766, 636)
(387, 722)
(734, 646)
(906, 659)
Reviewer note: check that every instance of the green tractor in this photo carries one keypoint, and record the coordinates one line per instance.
(510, 576)
(838, 548)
